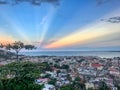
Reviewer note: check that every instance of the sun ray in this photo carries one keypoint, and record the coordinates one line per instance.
(16, 27)
(45, 24)
(88, 33)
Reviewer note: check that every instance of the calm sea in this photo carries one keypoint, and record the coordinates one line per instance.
(106, 54)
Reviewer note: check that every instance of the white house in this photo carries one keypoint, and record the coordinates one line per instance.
(89, 85)
(41, 81)
(48, 87)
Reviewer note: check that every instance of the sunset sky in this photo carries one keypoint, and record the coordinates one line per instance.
(72, 25)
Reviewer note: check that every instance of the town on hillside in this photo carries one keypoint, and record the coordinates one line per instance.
(66, 72)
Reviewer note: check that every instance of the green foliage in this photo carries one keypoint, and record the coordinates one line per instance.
(56, 66)
(103, 86)
(90, 89)
(118, 87)
(62, 67)
(67, 87)
(78, 85)
(47, 76)
(74, 86)
(24, 74)
(77, 79)
(46, 67)
(24, 69)
(65, 67)
(52, 81)
(19, 84)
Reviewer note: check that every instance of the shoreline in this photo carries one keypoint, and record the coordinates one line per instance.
(103, 54)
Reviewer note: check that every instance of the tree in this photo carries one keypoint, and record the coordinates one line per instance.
(67, 87)
(56, 66)
(17, 46)
(52, 81)
(79, 86)
(29, 47)
(77, 78)
(1, 45)
(24, 79)
(90, 89)
(65, 67)
(103, 86)
(19, 84)
(74, 86)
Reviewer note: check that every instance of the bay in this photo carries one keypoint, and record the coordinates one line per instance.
(103, 54)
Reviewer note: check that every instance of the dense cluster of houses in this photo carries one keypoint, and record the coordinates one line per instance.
(92, 70)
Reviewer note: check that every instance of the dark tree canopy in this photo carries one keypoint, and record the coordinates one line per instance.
(29, 47)
(17, 46)
(33, 2)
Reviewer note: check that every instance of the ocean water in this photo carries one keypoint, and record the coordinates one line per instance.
(103, 54)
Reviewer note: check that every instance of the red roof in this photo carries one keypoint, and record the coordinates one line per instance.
(96, 65)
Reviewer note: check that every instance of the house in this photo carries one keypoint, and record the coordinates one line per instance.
(49, 87)
(53, 74)
(114, 71)
(10, 76)
(41, 81)
(96, 65)
(89, 85)
(114, 88)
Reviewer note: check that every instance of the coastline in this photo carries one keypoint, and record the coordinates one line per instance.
(103, 54)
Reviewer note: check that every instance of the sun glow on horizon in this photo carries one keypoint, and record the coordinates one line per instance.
(87, 34)
(4, 39)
